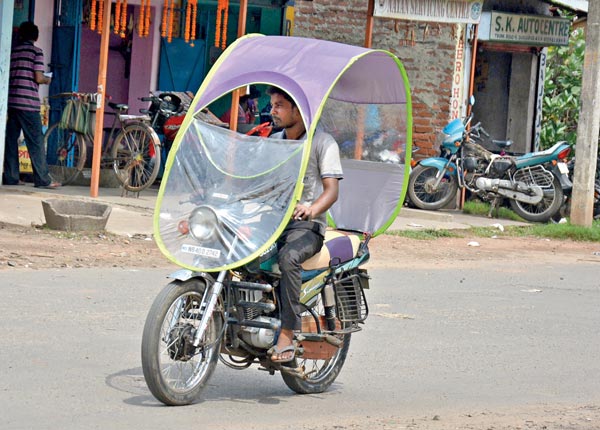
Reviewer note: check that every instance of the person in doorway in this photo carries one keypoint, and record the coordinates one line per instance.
(26, 74)
(247, 108)
(304, 234)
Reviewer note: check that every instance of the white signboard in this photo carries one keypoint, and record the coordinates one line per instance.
(532, 30)
(457, 11)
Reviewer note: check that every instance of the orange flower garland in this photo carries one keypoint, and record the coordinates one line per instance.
(163, 27)
(100, 15)
(194, 13)
(117, 16)
(225, 17)
(93, 16)
(147, 20)
(123, 19)
(170, 29)
(142, 19)
(188, 12)
(218, 24)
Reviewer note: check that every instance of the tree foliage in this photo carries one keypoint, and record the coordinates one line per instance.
(562, 91)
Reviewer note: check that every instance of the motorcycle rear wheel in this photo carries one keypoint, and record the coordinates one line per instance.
(421, 192)
(174, 370)
(320, 374)
(544, 210)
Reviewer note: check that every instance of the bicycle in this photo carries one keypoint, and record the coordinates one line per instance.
(131, 146)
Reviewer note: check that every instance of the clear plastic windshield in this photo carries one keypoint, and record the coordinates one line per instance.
(375, 152)
(225, 196)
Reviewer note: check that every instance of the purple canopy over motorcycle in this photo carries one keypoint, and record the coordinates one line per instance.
(251, 184)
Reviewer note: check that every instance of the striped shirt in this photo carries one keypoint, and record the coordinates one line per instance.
(25, 60)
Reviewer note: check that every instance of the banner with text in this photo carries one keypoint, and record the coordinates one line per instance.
(457, 11)
(532, 30)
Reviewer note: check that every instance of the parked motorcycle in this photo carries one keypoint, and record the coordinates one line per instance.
(565, 209)
(225, 199)
(533, 183)
(166, 112)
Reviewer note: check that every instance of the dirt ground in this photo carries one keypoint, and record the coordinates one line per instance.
(35, 248)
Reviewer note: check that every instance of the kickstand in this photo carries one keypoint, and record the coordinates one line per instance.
(495, 204)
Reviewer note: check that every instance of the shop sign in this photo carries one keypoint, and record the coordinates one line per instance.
(456, 101)
(532, 30)
(456, 11)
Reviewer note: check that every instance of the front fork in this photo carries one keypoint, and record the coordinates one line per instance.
(210, 297)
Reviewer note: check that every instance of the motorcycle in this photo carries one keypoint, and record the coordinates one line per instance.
(565, 209)
(533, 183)
(225, 199)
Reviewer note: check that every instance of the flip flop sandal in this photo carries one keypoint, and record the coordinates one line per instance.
(275, 350)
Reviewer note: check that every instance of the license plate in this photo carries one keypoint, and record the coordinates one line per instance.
(562, 167)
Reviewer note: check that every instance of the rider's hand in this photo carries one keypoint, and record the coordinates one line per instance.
(302, 212)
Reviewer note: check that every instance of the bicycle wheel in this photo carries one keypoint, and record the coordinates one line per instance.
(69, 151)
(136, 156)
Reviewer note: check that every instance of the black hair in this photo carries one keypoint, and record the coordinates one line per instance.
(276, 90)
(28, 31)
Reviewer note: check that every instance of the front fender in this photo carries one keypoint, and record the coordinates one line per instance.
(439, 163)
(185, 274)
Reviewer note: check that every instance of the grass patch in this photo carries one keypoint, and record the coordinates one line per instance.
(559, 231)
(476, 207)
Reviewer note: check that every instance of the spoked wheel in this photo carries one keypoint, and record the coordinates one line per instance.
(423, 191)
(175, 370)
(319, 374)
(545, 209)
(70, 152)
(136, 156)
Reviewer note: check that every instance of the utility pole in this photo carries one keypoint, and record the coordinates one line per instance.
(586, 148)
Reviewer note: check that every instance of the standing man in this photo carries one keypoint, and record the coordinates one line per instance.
(304, 234)
(26, 74)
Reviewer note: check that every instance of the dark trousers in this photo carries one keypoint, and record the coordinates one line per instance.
(31, 124)
(295, 246)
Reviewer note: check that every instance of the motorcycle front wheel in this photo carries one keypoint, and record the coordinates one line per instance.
(175, 370)
(545, 209)
(422, 190)
(318, 374)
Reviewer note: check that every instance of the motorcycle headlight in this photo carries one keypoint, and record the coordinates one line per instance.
(203, 223)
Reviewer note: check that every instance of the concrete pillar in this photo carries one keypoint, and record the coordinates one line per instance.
(586, 149)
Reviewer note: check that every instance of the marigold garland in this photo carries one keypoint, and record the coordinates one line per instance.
(225, 18)
(194, 14)
(117, 17)
(147, 20)
(218, 24)
(170, 29)
(123, 19)
(93, 16)
(100, 16)
(163, 27)
(188, 12)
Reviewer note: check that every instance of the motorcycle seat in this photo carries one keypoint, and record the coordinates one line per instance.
(338, 246)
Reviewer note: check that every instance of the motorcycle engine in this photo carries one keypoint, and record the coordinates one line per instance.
(259, 337)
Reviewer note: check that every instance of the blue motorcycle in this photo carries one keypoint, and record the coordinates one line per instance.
(533, 183)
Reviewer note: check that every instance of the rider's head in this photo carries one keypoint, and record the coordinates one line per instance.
(284, 110)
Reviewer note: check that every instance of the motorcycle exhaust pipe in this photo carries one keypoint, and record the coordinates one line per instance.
(531, 194)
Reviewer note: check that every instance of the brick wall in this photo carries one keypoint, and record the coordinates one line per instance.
(427, 52)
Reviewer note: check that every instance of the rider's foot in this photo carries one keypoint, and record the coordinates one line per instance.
(285, 349)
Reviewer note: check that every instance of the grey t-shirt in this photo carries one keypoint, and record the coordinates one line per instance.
(324, 162)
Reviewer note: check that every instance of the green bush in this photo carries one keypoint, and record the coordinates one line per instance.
(562, 91)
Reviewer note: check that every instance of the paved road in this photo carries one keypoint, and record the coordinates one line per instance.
(439, 346)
